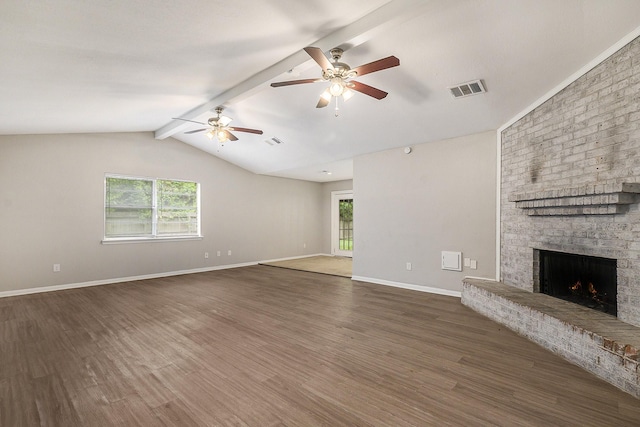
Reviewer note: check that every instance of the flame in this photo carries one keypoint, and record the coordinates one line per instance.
(590, 291)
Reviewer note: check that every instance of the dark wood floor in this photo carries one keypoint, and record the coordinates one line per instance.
(265, 346)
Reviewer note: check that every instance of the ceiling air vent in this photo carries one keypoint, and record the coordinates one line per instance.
(273, 141)
(467, 89)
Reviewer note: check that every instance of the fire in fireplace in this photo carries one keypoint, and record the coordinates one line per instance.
(581, 279)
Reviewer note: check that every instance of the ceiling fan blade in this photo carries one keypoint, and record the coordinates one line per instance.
(231, 136)
(367, 90)
(256, 131)
(194, 131)
(318, 56)
(295, 82)
(323, 102)
(187, 120)
(380, 64)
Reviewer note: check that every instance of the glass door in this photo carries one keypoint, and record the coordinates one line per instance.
(342, 223)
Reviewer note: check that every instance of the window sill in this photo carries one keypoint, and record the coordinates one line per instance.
(121, 240)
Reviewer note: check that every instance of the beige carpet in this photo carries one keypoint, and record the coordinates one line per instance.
(334, 265)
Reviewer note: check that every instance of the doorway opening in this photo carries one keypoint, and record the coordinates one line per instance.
(342, 223)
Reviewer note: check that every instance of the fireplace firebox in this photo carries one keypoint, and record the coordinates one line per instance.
(581, 279)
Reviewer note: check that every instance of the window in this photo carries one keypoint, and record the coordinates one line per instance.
(145, 208)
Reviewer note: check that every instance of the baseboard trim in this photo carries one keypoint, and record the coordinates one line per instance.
(410, 286)
(28, 291)
(292, 257)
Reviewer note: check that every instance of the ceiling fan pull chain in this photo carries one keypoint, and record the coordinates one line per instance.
(337, 109)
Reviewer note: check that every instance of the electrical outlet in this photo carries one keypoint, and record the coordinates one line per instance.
(408, 266)
(229, 252)
(218, 253)
(467, 262)
(304, 246)
(206, 255)
(56, 268)
(474, 264)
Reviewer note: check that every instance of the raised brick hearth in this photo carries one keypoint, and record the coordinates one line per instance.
(570, 182)
(592, 340)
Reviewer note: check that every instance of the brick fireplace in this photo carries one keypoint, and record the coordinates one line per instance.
(570, 183)
(571, 178)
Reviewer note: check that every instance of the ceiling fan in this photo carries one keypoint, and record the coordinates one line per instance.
(219, 127)
(340, 76)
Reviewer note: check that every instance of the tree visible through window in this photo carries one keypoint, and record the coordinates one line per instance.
(346, 225)
(149, 208)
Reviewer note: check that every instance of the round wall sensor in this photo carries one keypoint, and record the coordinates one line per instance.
(407, 150)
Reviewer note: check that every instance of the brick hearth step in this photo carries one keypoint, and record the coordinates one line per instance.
(595, 341)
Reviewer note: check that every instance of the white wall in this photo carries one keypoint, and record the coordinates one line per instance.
(51, 210)
(410, 207)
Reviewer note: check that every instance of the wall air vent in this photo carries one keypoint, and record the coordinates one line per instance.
(273, 141)
(467, 89)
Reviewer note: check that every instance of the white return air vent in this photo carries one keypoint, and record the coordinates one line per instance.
(467, 89)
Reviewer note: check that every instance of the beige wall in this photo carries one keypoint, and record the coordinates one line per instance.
(51, 210)
(407, 209)
(410, 207)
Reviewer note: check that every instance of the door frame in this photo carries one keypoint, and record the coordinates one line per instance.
(336, 196)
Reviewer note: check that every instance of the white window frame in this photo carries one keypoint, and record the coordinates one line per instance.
(154, 216)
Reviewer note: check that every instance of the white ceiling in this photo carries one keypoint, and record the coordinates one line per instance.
(74, 66)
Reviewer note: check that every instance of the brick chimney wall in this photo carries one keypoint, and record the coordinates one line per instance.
(571, 178)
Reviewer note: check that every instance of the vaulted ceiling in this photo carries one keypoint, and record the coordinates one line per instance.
(71, 66)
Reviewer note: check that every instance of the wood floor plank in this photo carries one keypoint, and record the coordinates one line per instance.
(53, 401)
(266, 346)
(18, 402)
(91, 405)
(131, 411)
(176, 414)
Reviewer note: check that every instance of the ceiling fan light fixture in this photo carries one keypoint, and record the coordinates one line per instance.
(339, 75)
(326, 95)
(347, 94)
(222, 136)
(337, 86)
(219, 127)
